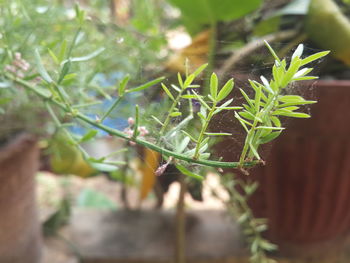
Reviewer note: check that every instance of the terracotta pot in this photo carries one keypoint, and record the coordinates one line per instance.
(305, 186)
(20, 236)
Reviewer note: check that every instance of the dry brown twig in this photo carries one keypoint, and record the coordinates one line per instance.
(252, 46)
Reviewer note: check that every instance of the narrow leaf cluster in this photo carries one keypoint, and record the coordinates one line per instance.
(260, 116)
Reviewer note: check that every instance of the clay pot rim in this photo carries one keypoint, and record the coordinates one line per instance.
(16, 145)
(334, 83)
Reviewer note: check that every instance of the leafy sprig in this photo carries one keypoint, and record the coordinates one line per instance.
(181, 90)
(253, 228)
(207, 112)
(260, 114)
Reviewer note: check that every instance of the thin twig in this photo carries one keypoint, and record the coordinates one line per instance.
(180, 248)
(252, 46)
(125, 136)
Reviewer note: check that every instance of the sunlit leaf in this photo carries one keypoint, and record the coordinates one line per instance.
(200, 69)
(217, 134)
(167, 91)
(146, 85)
(314, 57)
(175, 114)
(226, 90)
(214, 85)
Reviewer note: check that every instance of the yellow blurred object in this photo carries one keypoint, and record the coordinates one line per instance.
(196, 53)
(327, 27)
(149, 166)
(66, 158)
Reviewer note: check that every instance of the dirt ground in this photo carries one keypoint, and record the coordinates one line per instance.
(52, 188)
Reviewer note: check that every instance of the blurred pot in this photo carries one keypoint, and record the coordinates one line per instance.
(20, 237)
(305, 186)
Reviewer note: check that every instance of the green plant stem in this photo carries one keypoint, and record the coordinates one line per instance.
(136, 125)
(111, 108)
(203, 130)
(73, 42)
(238, 205)
(248, 139)
(60, 91)
(124, 136)
(171, 110)
(52, 114)
(262, 115)
(180, 254)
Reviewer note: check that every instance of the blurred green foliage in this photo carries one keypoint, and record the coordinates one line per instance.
(198, 13)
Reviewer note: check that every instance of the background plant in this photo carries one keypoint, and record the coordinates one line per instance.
(178, 143)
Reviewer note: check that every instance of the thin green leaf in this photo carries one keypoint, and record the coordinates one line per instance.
(189, 81)
(291, 114)
(241, 120)
(217, 134)
(266, 85)
(53, 56)
(298, 51)
(247, 98)
(41, 69)
(204, 142)
(202, 117)
(184, 171)
(103, 167)
(87, 57)
(175, 88)
(258, 93)
(292, 70)
(214, 85)
(64, 71)
(179, 126)
(89, 135)
(200, 69)
(189, 135)
(256, 85)
(268, 138)
(269, 128)
(204, 156)
(179, 78)
(291, 98)
(247, 115)
(276, 121)
(182, 146)
(88, 104)
(63, 50)
(188, 96)
(302, 73)
(226, 103)
(122, 85)
(254, 151)
(157, 120)
(69, 77)
(230, 108)
(146, 85)
(167, 91)
(284, 105)
(175, 114)
(226, 90)
(273, 53)
(201, 100)
(314, 57)
(305, 78)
